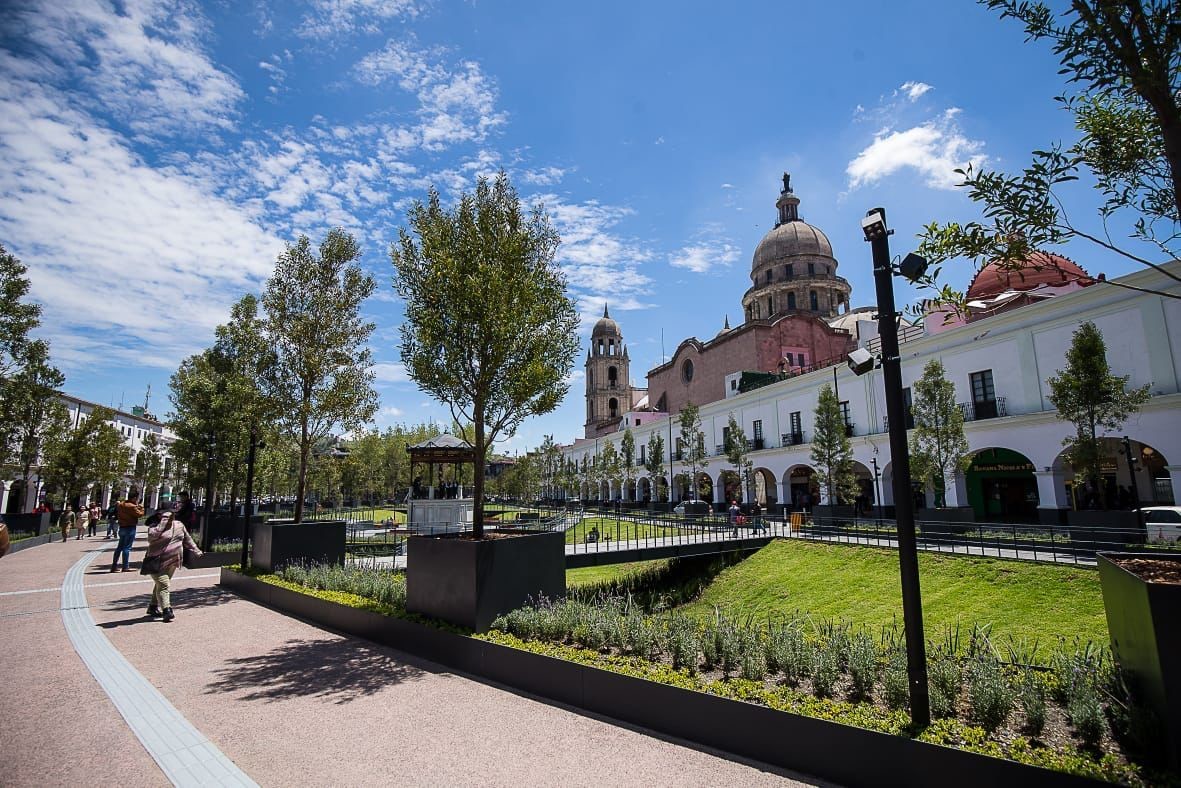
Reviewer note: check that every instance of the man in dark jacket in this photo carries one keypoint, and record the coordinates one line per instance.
(187, 513)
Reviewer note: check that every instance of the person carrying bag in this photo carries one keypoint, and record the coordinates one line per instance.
(168, 541)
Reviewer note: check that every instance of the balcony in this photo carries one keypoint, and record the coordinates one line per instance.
(850, 431)
(984, 409)
(909, 422)
(754, 444)
(792, 438)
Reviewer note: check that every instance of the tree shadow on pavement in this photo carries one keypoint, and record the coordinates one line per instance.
(340, 670)
(182, 598)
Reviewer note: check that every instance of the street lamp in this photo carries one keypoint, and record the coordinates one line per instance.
(877, 483)
(878, 236)
(207, 531)
(255, 443)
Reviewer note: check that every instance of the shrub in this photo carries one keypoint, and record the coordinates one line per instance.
(1032, 694)
(896, 682)
(863, 664)
(753, 663)
(380, 585)
(989, 692)
(1086, 714)
(683, 642)
(945, 682)
(826, 669)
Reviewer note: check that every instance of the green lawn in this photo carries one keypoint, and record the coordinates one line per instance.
(590, 575)
(1025, 601)
(621, 530)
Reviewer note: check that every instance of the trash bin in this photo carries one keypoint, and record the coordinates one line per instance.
(797, 521)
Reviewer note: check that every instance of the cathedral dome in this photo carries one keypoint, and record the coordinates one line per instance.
(1043, 269)
(606, 327)
(789, 239)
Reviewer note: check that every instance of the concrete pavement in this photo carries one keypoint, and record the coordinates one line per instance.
(285, 702)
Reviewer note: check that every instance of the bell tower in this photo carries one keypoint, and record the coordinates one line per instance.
(608, 379)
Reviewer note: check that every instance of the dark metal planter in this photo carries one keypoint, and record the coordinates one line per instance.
(1144, 620)
(832, 751)
(32, 541)
(30, 522)
(469, 583)
(276, 545)
(212, 559)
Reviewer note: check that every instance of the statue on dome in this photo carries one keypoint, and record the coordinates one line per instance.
(786, 182)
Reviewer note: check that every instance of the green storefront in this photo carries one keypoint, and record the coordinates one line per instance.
(1002, 487)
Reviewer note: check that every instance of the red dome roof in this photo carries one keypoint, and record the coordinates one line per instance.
(1042, 268)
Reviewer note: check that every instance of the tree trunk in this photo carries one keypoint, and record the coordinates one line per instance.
(301, 479)
(478, 474)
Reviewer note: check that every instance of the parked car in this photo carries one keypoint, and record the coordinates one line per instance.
(1163, 523)
(691, 507)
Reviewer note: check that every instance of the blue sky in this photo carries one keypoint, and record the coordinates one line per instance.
(154, 149)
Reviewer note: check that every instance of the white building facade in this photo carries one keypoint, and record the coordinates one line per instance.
(999, 366)
(135, 428)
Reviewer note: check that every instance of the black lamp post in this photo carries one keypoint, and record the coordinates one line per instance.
(255, 443)
(207, 531)
(877, 485)
(874, 227)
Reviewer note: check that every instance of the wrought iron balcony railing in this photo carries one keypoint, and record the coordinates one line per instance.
(984, 409)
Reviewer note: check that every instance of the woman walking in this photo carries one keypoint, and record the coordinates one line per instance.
(92, 523)
(65, 521)
(167, 541)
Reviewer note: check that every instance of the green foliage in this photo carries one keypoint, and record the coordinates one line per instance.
(896, 681)
(654, 464)
(385, 587)
(321, 372)
(832, 454)
(863, 664)
(17, 316)
(691, 442)
(990, 696)
(627, 454)
(609, 462)
(736, 453)
(93, 451)
(1120, 59)
(945, 683)
(30, 411)
(488, 328)
(938, 448)
(1032, 695)
(1086, 394)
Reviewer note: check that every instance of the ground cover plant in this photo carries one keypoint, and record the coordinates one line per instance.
(610, 529)
(1021, 602)
(591, 575)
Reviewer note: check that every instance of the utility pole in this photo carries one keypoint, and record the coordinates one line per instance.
(874, 226)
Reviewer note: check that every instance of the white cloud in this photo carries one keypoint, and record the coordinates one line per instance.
(387, 372)
(914, 90)
(935, 149)
(142, 62)
(456, 104)
(703, 257)
(331, 18)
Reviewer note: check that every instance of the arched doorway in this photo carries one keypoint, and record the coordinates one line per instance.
(681, 487)
(1145, 482)
(802, 492)
(704, 489)
(865, 497)
(644, 489)
(1001, 486)
(731, 486)
(765, 487)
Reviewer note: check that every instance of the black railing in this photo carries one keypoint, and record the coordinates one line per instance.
(984, 409)
(850, 430)
(792, 438)
(1030, 542)
(908, 421)
(754, 444)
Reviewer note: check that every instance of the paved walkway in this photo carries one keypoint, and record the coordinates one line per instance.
(231, 693)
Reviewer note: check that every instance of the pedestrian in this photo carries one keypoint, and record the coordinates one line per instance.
(112, 520)
(756, 516)
(167, 541)
(128, 513)
(735, 513)
(186, 512)
(92, 519)
(65, 521)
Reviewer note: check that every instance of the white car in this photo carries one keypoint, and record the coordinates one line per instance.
(1163, 523)
(680, 508)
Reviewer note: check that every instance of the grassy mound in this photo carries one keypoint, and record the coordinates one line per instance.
(861, 585)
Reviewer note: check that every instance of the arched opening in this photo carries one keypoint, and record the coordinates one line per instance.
(865, 496)
(629, 490)
(604, 491)
(613, 407)
(802, 492)
(813, 301)
(644, 489)
(731, 485)
(791, 300)
(765, 491)
(1001, 486)
(612, 377)
(1144, 483)
(704, 489)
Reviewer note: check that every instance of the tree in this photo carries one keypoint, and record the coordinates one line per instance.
(654, 463)
(489, 329)
(627, 455)
(17, 317)
(1123, 58)
(610, 463)
(938, 448)
(31, 410)
(149, 464)
(692, 440)
(1090, 397)
(831, 453)
(736, 453)
(87, 452)
(322, 374)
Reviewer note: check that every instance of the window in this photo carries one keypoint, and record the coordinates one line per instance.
(788, 271)
(612, 374)
(687, 370)
(757, 428)
(813, 301)
(801, 359)
(982, 389)
(845, 412)
(613, 407)
(734, 385)
(908, 404)
(797, 432)
(791, 300)
(811, 269)
(770, 305)
(767, 278)
(643, 448)
(590, 377)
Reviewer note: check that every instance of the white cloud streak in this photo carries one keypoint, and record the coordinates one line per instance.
(334, 18)
(934, 149)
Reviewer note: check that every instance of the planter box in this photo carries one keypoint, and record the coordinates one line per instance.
(211, 559)
(1143, 618)
(941, 523)
(275, 545)
(31, 523)
(33, 541)
(469, 583)
(841, 753)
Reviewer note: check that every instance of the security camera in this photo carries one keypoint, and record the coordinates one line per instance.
(913, 267)
(860, 361)
(874, 223)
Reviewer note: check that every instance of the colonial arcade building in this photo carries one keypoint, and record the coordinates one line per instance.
(798, 328)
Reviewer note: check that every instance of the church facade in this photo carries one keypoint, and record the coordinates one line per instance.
(998, 359)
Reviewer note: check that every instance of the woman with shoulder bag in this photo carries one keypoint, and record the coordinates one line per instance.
(167, 542)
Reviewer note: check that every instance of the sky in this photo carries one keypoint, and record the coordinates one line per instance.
(156, 156)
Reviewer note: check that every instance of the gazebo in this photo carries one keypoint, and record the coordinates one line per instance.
(437, 509)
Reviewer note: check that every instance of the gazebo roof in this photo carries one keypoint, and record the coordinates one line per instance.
(442, 448)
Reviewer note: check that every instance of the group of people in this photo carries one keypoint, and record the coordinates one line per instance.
(737, 518)
(169, 536)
